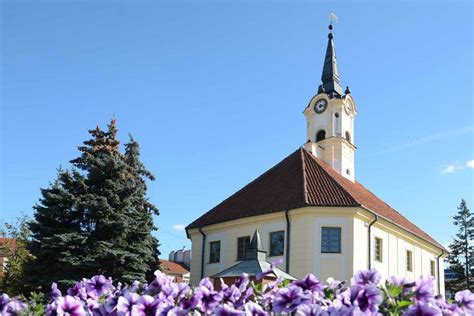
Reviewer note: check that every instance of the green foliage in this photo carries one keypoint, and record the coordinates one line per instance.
(95, 218)
(461, 256)
(15, 249)
(396, 300)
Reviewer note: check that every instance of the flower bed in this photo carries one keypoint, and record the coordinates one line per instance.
(308, 296)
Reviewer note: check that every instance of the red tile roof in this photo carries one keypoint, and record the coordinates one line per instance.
(300, 180)
(173, 268)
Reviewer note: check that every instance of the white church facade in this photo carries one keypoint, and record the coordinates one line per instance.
(312, 213)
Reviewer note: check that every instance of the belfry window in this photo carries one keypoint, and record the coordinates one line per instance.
(321, 135)
(337, 124)
(348, 136)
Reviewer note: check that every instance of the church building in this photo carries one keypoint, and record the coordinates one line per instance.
(310, 211)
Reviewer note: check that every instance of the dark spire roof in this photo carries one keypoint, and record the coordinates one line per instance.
(330, 76)
(255, 249)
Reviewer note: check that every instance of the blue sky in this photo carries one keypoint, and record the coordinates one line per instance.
(214, 93)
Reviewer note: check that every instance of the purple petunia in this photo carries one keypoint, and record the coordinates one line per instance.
(227, 310)
(465, 300)
(365, 277)
(422, 309)
(98, 286)
(310, 283)
(125, 303)
(288, 299)
(66, 305)
(367, 298)
(424, 290)
(55, 292)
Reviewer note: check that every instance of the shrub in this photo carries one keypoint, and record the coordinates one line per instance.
(308, 296)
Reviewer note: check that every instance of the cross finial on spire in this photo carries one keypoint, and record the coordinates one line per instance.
(330, 76)
(332, 20)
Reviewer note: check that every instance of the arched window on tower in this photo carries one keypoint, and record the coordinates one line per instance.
(337, 125)
(321, 135)
(348, 136)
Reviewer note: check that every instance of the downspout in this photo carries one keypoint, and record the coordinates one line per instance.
(369, 241)
(202, 251)
(439, 271)
(288, 228)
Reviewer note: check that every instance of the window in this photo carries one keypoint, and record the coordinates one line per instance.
(432, 268)
(378, 249)
(321, 135)
(331, 239)
(409, 261)
(242, 245)
(348, 136)
(277, 243)
(337, 125)
(215, 253)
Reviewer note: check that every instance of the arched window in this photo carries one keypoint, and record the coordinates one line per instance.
(337, 124)
(348, 136)
(320, 135)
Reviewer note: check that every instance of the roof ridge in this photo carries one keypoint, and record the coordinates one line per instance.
(318, 161)
(245, 187)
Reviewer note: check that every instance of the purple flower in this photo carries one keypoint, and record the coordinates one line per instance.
(288, 299)
(253, 309)
(55, 292)
(368, 298)
(125, 303)
(209, 299)
(161, 283)
(311, 310)
(227, 310)
(309, 282)
(424, 290)
(145, 306)
(422, 309)
(365, 277)
(14, 308)
(465, 300)
(78, 290)
(98, 285)
(4, 300)
(66, 305)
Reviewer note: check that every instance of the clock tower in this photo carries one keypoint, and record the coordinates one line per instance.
(330, 118)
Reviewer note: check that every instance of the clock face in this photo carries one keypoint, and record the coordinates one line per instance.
(320, 106)
(348, 108)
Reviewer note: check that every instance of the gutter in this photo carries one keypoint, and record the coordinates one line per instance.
(439, 271)
(288, 228)
(202, 251)
(369, 240)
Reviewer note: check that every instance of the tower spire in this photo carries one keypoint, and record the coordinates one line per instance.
(330, 76)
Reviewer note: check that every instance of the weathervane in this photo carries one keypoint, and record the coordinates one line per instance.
(332, 20)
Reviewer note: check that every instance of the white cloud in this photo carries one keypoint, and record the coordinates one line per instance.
(179, 227)
(470, 164)
(449, 169)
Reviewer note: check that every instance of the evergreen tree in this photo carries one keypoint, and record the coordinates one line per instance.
(461, 256)
(96, 219)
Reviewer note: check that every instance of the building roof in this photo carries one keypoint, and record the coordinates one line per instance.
(173, 268)
(301, 180)
(255, 262)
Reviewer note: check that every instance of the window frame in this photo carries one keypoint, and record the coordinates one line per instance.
(433, 268)
(378, 249)
(211, 257)
(245, 247)
(409, 260)
(339, 228)
(270, 253)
